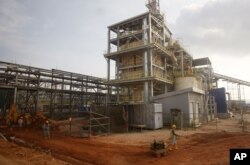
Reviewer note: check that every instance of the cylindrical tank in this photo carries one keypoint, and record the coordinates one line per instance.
(186, 82)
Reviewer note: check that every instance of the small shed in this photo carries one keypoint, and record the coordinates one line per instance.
(189, 101)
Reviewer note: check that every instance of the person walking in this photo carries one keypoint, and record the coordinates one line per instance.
(46, 129)
(173, 137)
(20, 122)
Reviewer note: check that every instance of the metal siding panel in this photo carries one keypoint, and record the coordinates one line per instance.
(154, 116)
(220, 99)
(158, 121)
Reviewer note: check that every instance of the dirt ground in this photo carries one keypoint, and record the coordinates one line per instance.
(208, 144)
(12, 154)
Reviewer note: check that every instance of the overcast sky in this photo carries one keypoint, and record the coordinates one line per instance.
(71, 35)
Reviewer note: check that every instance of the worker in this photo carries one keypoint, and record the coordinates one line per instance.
(173, 137)
(20, 122)
(46, 129)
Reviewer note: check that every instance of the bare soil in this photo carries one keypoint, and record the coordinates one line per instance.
(208, 145)
(12, 154)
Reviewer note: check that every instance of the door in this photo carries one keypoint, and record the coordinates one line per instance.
(191, 113)
(196, 113)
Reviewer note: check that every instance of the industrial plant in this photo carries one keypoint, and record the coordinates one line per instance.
(155, 83)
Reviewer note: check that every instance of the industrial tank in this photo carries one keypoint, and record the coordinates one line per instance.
(187, 82)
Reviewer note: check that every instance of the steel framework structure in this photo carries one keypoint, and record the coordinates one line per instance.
(146, 57)
(54, 91)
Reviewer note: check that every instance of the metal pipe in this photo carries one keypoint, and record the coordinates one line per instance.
(229, 99)
(182, 65)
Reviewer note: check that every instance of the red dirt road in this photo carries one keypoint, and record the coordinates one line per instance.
(200, 148)
(195, 148)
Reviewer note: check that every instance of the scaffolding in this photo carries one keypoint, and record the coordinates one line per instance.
(235, 89)
(139, 47)
(58, 93)
(150, 63)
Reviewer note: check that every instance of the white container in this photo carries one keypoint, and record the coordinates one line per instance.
(154, 116)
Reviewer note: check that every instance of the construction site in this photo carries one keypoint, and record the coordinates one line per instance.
(156, 83)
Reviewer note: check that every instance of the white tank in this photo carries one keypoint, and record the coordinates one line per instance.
(186, 82)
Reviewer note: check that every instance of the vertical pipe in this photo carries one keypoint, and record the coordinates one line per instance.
(150, 72)
(239, 92)
(229, 100)
(27, 91)
(151, 88)
(37, 93)
(82, 93)
(117, 68)
(151, 93)
(86, 93)
(117, 62)
(108, 68)
(15, 95)
(62, 88)
(108, 79)
(51, 93)
(118, 38)
(182, 65)
(165, 74)
(109, 47)
(70, 96)
(15, 91)
(145, 39)
(164, 32)
(118, 94)
(150, 57)
(90, 120)
(149, 28)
